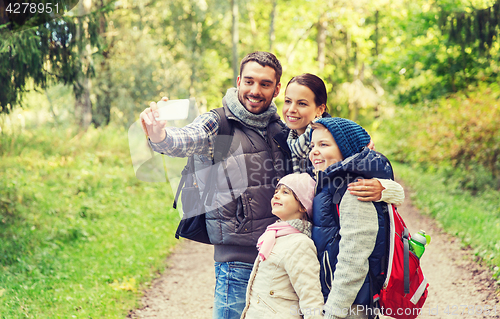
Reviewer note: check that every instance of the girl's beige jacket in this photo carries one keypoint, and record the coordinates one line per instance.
(286, 284)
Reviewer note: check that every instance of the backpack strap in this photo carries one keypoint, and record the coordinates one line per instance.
(221, 148)
(188, 168)
(406, 234)
(222, 145)
(374, 294)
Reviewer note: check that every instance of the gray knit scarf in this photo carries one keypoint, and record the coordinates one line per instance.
(300, 146)
(259, 121)
(301, 225)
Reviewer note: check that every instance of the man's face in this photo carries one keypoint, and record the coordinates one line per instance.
(257, 87)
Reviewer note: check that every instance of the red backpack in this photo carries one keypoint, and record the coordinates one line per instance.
(405, 288)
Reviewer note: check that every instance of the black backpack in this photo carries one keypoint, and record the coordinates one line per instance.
(193, 225)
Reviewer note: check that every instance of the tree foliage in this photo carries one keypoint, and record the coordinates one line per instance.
(445, 47)
(477, 27)
(404, 51)
(45, 54)
(458, 132)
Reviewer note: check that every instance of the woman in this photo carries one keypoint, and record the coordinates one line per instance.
(305, 101)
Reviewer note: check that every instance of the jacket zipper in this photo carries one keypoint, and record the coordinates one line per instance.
(267, 305)
(282, 148)
(327, 267)
(317, 183)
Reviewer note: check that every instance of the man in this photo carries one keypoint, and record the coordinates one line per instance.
(235, 227)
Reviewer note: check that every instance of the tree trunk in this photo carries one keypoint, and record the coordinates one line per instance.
(192, 78)
(290, 53)
(376, 32)
(355, 60)
(235, 39)
(83, 104)
(354, 106)
(271, 28)
(193, 48)
(251, 19)
(51, 107)
(101, 114)
(347, 55)
(321, 40)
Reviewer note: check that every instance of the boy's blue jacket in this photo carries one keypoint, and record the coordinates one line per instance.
(330, 188)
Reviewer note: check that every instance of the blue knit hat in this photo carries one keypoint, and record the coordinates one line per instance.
(349, 136)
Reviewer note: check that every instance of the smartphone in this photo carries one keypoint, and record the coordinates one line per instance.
(172, 110)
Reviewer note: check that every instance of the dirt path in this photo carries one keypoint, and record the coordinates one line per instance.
(185, 290)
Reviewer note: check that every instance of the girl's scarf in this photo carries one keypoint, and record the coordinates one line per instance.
(267, 240)
(300, 146)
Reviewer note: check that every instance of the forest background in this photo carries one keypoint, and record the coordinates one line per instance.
(81, 236)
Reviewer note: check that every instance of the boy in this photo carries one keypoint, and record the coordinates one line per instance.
(349, 234)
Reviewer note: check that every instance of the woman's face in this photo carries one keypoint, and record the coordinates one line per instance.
(300, 109)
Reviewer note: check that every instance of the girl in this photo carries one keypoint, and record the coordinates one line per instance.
(285, 277)
(305, 103)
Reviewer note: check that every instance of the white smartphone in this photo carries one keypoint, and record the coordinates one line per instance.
(173, 110)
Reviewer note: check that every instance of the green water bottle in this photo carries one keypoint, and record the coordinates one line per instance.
(418, 241)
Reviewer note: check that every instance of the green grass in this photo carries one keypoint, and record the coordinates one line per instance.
(474, 219)
(80, 235)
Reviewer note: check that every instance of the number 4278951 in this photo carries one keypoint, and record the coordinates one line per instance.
(24, 7)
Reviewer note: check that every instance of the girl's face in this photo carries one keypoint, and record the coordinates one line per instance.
(284, 205)
(300, 109)
(325, 151)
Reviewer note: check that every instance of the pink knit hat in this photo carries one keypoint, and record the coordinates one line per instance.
(303, 187)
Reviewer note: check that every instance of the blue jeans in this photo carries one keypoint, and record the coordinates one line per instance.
(230, 289)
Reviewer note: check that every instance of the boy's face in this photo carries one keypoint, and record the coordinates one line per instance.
(257, 87)
(284, 205)
(325, 151)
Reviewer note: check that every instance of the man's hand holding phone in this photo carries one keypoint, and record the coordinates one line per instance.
(154, 128)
